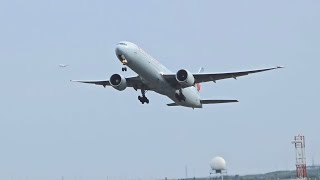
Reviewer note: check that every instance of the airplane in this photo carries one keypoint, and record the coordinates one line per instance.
(63, 65)
(183, 87)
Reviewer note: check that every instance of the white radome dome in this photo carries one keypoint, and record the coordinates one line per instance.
(218, 163)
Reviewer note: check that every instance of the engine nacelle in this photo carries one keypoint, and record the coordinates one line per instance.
(118, 82)
(185, 78)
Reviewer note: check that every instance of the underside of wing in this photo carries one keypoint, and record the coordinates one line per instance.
(207, 77)
(134, 82)
(102, 82)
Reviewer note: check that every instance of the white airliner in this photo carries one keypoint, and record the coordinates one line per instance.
(63, 65)
(182, 87)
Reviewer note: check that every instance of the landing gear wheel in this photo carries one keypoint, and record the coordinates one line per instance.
(143, 99)
(183, 97)
(180, 97)
(124, 69)
(146, 100)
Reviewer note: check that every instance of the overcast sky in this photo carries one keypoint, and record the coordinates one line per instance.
(51, 127)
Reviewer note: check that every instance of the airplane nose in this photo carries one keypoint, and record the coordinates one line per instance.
(119, 50)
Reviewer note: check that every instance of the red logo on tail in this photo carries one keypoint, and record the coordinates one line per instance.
(198, 87)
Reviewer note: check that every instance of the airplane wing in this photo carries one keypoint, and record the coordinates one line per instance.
(206, 77)
(134, 82)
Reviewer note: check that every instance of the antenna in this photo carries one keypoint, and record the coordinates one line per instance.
(301, 167)
(186, 171)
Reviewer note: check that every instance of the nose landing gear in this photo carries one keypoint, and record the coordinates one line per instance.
(124, 61)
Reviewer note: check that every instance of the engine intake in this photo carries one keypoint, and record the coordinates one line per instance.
(118, 82)
(185, 78)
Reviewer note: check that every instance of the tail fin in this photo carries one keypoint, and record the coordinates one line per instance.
(201, 70)
(198, 85)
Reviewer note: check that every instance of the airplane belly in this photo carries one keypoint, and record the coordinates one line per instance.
(144, 68)
(192, 98)
(150, 74)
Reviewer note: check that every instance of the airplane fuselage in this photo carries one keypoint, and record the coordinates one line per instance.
(150, 71)
(182, 87)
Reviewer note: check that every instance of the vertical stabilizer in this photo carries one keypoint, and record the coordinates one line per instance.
(201, 70)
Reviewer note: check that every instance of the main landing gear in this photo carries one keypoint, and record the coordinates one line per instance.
(124, 69)
(180, 96)
(143, 99)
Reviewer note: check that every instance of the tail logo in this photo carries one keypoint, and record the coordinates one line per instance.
(198, 87)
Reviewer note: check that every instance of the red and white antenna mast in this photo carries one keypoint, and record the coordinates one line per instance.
(301, 166)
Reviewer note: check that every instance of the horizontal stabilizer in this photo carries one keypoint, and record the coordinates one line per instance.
(209, 102)
(172, 104)
(217, 101)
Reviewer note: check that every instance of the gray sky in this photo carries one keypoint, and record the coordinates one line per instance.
(50, 127)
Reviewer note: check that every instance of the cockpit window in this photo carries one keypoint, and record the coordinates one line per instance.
(123, 44)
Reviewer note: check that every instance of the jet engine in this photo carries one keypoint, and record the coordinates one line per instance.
(118, 82)
(185, 78)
